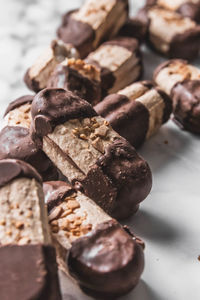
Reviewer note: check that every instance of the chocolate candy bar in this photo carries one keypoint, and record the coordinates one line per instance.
(37, 76)
(16, 143)
(103, 257)
(26, 255)
(79, 77)
(94, 22)
(19, 112)
(120, 63)
(181, 81)
(89, 152)
(187, 8)
(136, 112)
(170, 33)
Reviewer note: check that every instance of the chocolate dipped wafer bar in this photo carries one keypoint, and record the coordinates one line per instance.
(104, 258)
(136, 112)
(187, 8)
(170, 33)
(120, 63)
(94, 22)
(27, 258)
(79, 77)
(89, 152)
(181, 81)
(16, 142)
(38, 74)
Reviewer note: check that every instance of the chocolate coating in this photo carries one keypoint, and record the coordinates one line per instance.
(70, 79)
(107, 261)
(129, 118)
(29, 273)
(31, 83)
(16, 143)
(134, 28)
(124, 176)
(186, 45)
(52, 107)
(11, 169)
(190, 10)
(186, 101)
(80, 35)
(130, 44)
(18, 102)
(168, 105)
(55, 192)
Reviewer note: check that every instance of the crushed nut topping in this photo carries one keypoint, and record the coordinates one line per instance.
(67, 219)
(92, 130)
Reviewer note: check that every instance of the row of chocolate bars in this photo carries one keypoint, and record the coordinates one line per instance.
(84, 151)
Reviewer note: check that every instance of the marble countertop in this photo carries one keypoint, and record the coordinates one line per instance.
(169, 219)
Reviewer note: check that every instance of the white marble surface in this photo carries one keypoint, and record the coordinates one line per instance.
(169, 220)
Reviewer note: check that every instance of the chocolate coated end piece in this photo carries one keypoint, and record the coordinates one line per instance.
(16, 143)
(123, 175)
(170, 33)
(12, 168)
(52, 107)
(107, 261)
(186, 101)
(28, 272)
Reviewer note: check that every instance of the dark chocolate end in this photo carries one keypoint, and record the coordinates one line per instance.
(28, 272)
(107, 261)
(186, 102)
(11, 169)
(18, 102)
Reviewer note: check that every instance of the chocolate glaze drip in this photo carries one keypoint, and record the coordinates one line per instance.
(29, 272)
(55, 192)
(186, 102)
(52, 107)
(116, 266)
(70, 79)
(11, 169)
(18, 102)
(80, 35)
(16, 143)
